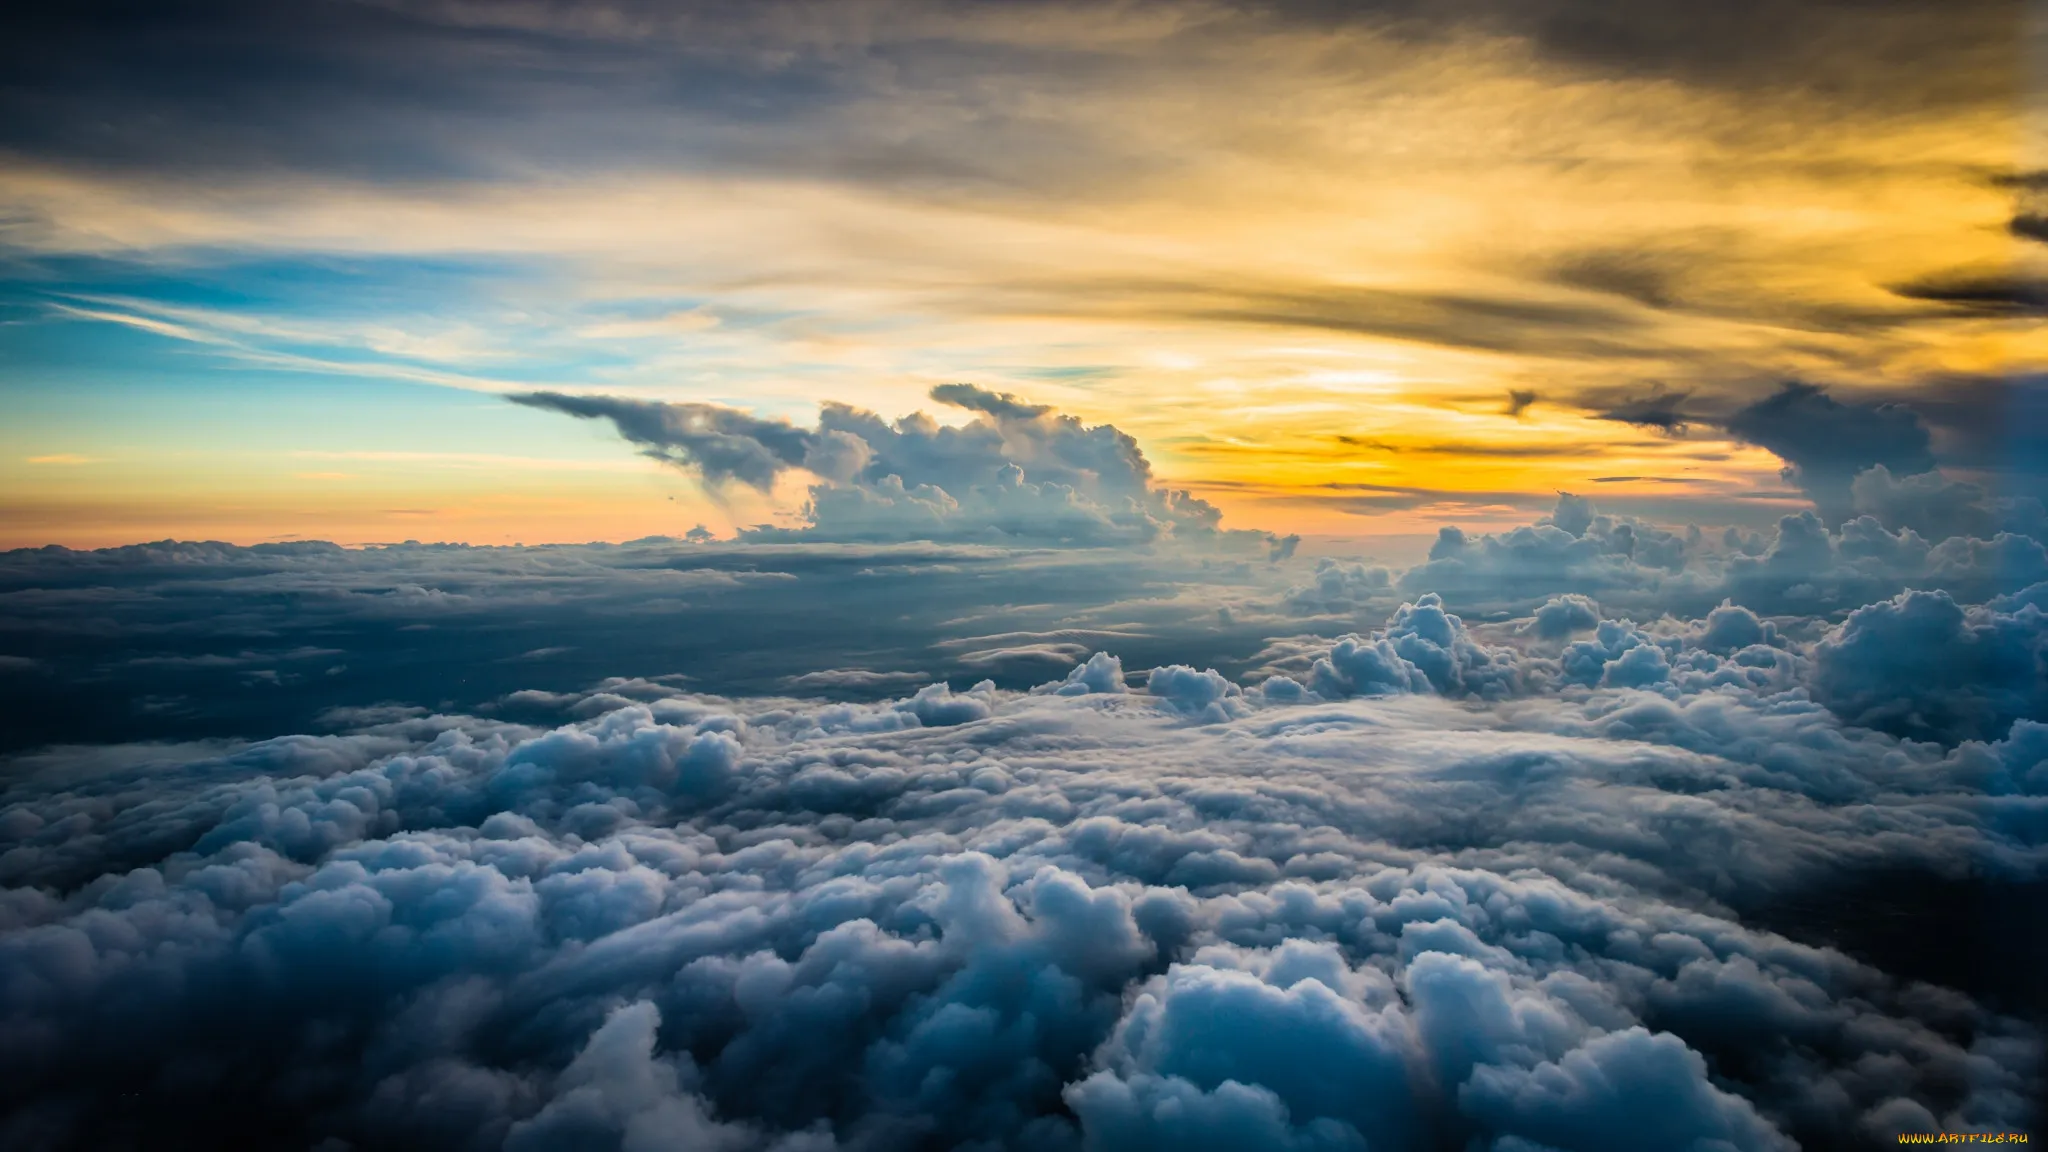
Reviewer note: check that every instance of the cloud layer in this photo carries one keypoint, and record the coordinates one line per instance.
(1091, 917)
(1522, 884)
(1585, 834)
(185, 641)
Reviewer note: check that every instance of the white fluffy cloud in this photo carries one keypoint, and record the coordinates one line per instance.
(1589, 834)
(1015, 472)
(1097, 916)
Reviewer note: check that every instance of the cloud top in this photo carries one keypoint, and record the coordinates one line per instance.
(1015, 472)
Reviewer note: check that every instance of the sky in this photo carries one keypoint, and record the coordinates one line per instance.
(974, 576)
(268, 276)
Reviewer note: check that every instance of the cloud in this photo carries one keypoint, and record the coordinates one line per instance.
(748, 66)
(150, 641)
(998, 404)
(1991, 427)
(1921, 665)
(1618, 1092)
(1207, 694)
(1573, 549)
(405, 146)
(1561, 616)
(1564, 835)
(1937, 506)
(1666, 411)
(1111, 829)
(1101, 674)
(618, 1092)
(1994, 292)
(1825, 443)
(1339, 588)
(1465, 320)
(722, 445)
(856, 678)
(1017, 472)
(1090, 918)
(1647, 279)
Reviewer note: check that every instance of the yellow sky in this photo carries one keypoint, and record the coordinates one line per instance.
(1291, 259)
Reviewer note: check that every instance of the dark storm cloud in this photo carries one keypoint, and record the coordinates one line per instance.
(1995, 426)
(1965, 53)
(415, 89)
(998, 404)
(1935, 505)
(377, 90)
(1665, 410)
(1992, 291)
(1991, 427)
(1825, 442)
(720, 444)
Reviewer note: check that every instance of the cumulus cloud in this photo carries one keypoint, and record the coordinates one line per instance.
(1801, 567)
(1936, 506)
(1082, 918)
(1561, 616)
(1826, 442)
(1575, 549)
(1922, 665)
(1338, 588)
(1016, 472)
(1569, 837)
(199, 640)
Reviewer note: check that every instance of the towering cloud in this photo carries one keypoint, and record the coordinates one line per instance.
(1825, 442)
(1016, 472)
